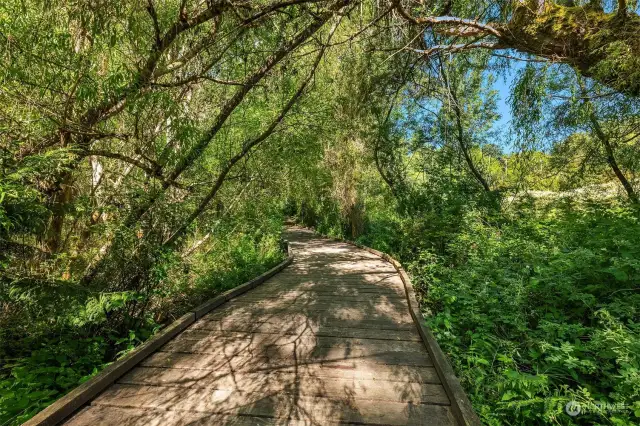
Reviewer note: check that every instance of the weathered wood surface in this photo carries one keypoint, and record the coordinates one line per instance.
(328, 340)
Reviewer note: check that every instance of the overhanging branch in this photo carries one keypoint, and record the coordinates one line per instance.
(247, 146)
(457, 47)
(455, 26)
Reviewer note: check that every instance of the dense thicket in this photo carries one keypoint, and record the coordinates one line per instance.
(150, 151)
(526, 258)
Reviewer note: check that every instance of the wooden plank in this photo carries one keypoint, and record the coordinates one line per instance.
(337, 291)
(289, 319)
(265, 343)
(212, 340)
(123, 416)
(360, 369)
(386, 280)
(338, 262)
(370, 266)
(365, 303)
(314, 273)
(355, 333)
(379, 280)
(276, 381)
(247, 351)
(247, 361)
(288, 277)
(381, 311)
(297, 323)
(315, 410)
(320, 298)
(384, 311)
(275, 288)
(374, 310)
(348, 255)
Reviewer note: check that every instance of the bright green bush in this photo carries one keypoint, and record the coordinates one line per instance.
(73, 333)
(536, 305)
(35, 381)
(541, 311)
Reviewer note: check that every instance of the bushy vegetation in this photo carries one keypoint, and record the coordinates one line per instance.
(151, 150)
(54, 340)
(529, 277)
(540, 310)
(536, 306)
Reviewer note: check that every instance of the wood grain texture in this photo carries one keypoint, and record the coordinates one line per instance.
(329, 340)
(461, 406)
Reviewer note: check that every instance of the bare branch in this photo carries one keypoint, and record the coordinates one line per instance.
(463, 27)
(154, 18)
(456, 47)
(151, 171)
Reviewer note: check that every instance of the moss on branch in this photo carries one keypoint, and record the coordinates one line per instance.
(603, 46)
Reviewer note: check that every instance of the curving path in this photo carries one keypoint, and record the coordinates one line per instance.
(328, 340)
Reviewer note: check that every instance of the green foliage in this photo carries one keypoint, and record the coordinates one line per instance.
(58, 365)
(550, 309)
(232, 258)
(148, 151)
(21, 207)
(535, 308)
(74, 333)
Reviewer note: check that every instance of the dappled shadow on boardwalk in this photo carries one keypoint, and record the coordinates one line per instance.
(328, 340)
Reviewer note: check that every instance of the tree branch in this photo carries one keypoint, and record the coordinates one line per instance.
(457, 47)
(452, 88)
(465, 27)
(151, 171)
(246, 148)
(154, 18)
(196, 78)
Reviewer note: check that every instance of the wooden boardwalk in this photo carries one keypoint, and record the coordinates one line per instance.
(328, 340)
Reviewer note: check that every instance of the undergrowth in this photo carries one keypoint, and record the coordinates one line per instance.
(536, 306)
(51, 342)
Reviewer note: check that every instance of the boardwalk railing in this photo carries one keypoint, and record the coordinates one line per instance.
(460, 404)
(74, 400)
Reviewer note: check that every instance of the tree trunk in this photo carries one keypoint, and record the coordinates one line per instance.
(356, 222)
(460, 131)
(611, 159)
(59, 196)
(602, 46)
